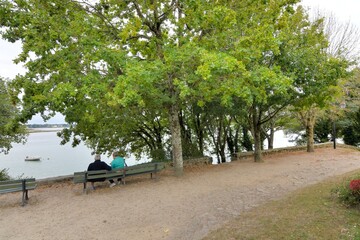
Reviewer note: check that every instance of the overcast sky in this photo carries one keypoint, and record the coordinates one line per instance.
(344, 10)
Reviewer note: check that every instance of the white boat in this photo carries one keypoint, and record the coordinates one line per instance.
(32, 158)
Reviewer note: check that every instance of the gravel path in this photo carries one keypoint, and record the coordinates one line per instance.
(168, 208)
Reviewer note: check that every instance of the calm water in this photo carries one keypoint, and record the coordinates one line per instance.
(56, 159)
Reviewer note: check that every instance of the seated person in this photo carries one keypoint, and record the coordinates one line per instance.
(99, 165)
(118, 162)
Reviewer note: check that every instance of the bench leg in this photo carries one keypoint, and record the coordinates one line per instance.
(24, 198)
(155, 171)
(84, 189)
(121, 180)
(123, 177)
(155, 176)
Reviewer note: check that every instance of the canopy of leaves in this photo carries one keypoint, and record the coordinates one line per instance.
(115, 69)
(10, 130)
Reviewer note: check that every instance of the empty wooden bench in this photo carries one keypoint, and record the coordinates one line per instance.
(103, 175)
(144, 168)
(20, 185)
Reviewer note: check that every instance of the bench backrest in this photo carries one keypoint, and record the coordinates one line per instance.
(79, 177)
(17, 185)
(82, 177)
(144, 168)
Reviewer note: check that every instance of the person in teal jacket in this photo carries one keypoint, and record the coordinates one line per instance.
(118, 163)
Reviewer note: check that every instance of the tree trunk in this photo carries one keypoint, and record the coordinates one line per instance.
(308, 118)
(176, 140)
(310, 136)
(222, 138)
(256, 128)
(271, 138)
(258, 144)
(199, 134)
(246, 142)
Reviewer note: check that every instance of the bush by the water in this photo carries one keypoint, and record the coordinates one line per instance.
(349, 192)
(4, 175)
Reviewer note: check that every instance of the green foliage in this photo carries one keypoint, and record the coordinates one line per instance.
(351, 132)
(159, 155)
(346, 195)
(10, 130)
(323, 130)
(351, 137)
(121, 73)
(351, 119)
(4, 175)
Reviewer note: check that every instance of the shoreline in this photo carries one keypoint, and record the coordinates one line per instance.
(39, 130)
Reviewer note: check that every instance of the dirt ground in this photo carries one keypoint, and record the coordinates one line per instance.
(188, 207)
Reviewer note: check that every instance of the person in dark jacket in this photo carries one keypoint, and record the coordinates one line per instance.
(99, 165)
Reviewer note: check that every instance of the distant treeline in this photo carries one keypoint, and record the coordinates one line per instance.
(64, 125)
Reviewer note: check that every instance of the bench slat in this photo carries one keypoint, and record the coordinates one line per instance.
(16, 185)
(27, 180)
(8, 190)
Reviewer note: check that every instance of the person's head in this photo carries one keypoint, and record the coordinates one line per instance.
(116, 154)
(97, 157)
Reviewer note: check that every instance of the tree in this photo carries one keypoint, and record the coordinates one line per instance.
(316, 73)
(338, 54)
(118, 68)
(10, 130)
(83, 57)
(256, 43)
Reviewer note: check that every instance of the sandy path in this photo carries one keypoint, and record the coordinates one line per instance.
(169, 208)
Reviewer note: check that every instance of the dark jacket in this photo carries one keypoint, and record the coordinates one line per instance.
(98, 165)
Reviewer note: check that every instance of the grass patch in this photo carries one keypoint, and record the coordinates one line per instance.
(314, 212)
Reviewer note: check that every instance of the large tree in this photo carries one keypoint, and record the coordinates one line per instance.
(316, 73)
(116, 56)
(258, 45)
(126, 72)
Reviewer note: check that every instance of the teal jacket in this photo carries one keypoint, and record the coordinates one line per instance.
(118, 162)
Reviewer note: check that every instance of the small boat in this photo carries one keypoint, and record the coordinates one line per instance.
(32, 158)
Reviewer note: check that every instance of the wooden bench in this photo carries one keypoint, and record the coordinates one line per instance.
(21, 185)
(103, 175)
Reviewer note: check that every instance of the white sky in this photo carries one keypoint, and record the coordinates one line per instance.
(344, 10)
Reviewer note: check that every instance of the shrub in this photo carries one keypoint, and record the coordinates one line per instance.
(349, 193)
(4, 175)
(355, 185)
